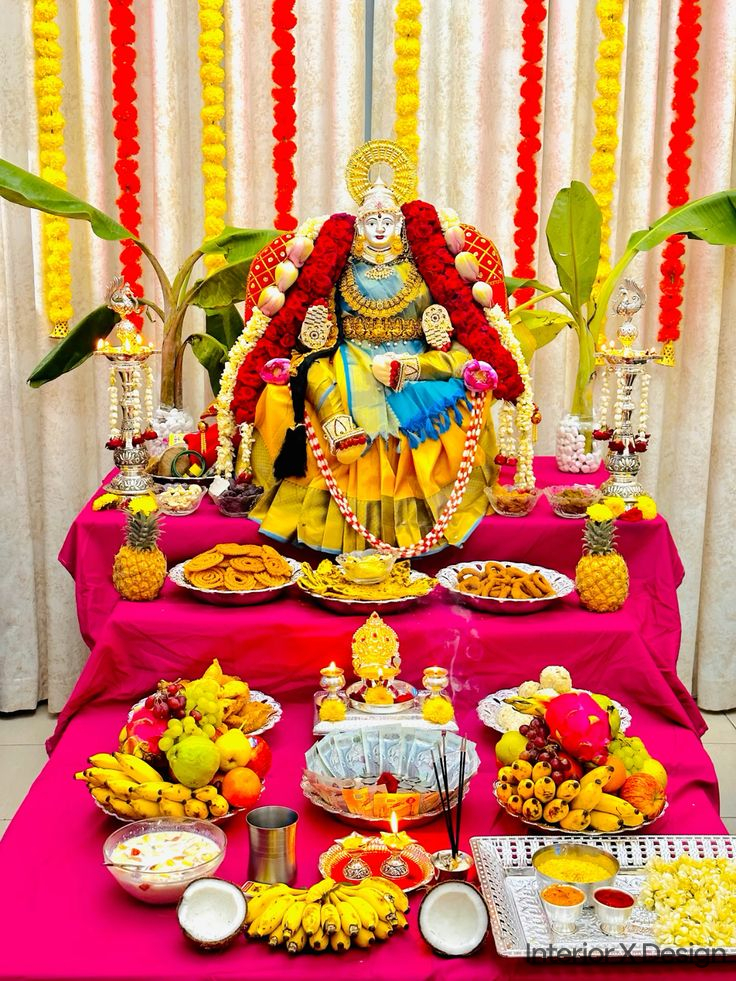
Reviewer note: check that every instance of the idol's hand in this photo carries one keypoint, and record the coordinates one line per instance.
(381, 367)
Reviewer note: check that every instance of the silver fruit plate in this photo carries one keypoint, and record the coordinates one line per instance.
(561, 584)
(489, 709)
(520, 925)
(232, 597)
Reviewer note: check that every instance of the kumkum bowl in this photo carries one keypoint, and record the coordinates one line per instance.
(582, 853)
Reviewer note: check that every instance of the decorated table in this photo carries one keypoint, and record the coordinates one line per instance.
(135, 643)
(54, 878)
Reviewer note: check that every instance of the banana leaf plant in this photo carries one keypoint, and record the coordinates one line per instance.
(216, 293)
(573, 237)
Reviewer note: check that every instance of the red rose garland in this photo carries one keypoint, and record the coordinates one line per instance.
(436, 264)
(678, 177)
(125, 114)
(526, 218)
(316, 278)
(283, 76)
(322, 270)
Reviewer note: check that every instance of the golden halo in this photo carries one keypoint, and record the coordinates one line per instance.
(357, 172)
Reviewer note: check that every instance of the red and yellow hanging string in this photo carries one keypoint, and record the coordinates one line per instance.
(678, 162)
(283, 75)
(212, 77)
(526, 218)
(125, 114)
(55, 244)
(605, 108)
(407, 45)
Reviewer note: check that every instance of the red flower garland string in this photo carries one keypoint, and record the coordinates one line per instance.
(678, 176)
(283, 75)
(526, 218)
(125, 114)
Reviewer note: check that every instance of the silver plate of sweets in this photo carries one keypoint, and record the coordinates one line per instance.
(449, 576)
(234, 597)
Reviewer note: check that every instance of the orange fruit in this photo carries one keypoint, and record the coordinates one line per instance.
(618, 776)
(241, 787)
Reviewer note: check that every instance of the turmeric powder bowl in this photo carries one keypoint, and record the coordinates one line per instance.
(584, 866)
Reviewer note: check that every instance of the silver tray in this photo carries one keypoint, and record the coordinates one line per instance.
(490, 707)
(393, 709)
(230, 597)
(561, 584)
(274, 717)
(518, 921)
(357, 607)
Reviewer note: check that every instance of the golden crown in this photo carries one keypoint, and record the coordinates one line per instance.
(375, 643)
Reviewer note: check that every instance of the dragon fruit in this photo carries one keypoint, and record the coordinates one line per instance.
(140, 735)
(580, 725)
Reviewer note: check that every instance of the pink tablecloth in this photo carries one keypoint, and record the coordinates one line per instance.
(63, 917)
(125, 637)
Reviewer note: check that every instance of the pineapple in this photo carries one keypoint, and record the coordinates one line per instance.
(601, 576)
(139, 570)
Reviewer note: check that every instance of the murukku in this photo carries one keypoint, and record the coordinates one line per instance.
(239, 581)
(247, 563)
(232, 548)
(207, 579)
(206, 560)
(265, 580)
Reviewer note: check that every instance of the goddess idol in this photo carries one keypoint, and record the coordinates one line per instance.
(359, 392)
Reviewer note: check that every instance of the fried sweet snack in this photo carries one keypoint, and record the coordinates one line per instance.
(207, 579)
(205, 560)
(232, 548)
(251, 716)
(238, 568)
(504, 582)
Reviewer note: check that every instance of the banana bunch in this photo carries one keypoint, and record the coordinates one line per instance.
(529, 791)
(328, 915)
(132, 789)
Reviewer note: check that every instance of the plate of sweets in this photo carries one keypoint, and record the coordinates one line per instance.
(391, 854)
(230, 574)
(504, 587)
(386, 587)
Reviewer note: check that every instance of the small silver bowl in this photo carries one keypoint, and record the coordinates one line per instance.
(563, 919)
(581, 853)
(613, 919)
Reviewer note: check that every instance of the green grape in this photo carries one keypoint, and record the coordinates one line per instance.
(189, 725)
(165, 743)
(209, 730)
(175, 728)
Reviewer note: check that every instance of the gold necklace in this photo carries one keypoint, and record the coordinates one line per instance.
(386, 307)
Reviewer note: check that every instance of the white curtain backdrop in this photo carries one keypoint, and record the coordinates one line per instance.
(471, 52)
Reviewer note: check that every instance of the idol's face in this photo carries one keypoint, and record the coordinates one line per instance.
(380, 230)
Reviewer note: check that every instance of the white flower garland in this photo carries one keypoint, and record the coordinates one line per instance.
(252, 332)
(524, 477)
(605, 399)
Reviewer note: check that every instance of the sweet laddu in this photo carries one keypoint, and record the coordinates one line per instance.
(358, 387)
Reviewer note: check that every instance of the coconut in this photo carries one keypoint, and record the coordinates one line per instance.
(453, 919)
(211, 913)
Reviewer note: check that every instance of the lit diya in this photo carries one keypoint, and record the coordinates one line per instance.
(393, 855)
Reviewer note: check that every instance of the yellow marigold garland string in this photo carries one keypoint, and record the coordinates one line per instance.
(407, 46)
(212, 76)
(56, 245)
(605, 108)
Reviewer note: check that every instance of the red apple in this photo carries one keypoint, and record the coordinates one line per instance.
(260, 761)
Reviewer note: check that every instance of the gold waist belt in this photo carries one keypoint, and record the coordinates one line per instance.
(376, 330)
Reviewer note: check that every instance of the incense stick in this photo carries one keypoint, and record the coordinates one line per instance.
(460, 793)
(444, 802)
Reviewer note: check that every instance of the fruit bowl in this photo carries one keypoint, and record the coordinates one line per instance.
(489, 709)
(589, 831)
(175, 835)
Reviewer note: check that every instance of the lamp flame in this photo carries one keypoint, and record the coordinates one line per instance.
(394, 822)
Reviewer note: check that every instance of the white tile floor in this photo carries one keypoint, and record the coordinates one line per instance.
(26, 733)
